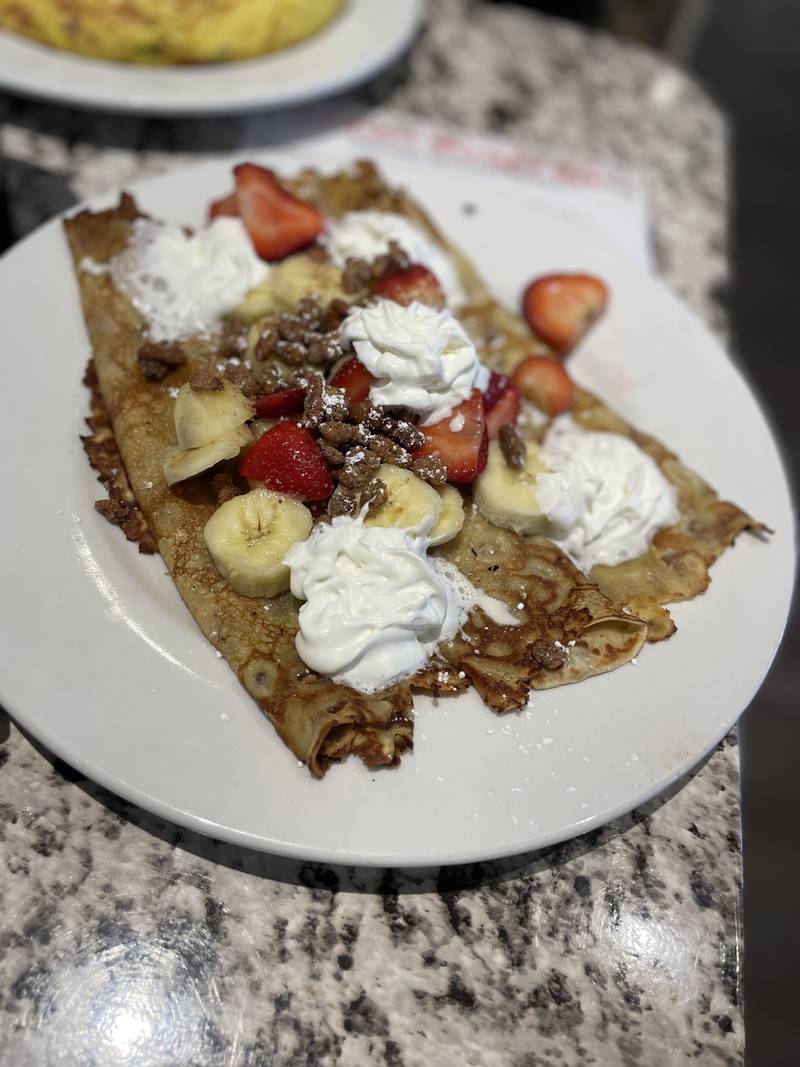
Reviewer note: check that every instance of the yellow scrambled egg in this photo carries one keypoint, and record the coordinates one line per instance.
(167, 31)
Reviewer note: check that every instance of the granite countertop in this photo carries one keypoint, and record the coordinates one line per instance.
(127, 940)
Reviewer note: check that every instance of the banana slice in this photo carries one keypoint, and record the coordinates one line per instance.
(297, 276)
(412, 504)
(451, 518)
(182, 463)
(204, 417)
(257, 303)
(507, 497)
(249, 535)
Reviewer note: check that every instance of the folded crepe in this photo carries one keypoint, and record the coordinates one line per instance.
(570, 626)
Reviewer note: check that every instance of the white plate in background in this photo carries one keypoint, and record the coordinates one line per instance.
(103, 663)
(363, 38)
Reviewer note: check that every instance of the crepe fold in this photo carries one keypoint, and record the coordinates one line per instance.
(570, 626)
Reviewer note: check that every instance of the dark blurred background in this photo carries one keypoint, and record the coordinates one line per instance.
(746, 53)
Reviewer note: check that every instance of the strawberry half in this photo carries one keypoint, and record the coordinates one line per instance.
(501, 403)
(228, 205)
(416, 282)
(545, 383)
(560, 308)
(354, 378)
(284, 402)
(288, 460)
(277, 222)
(463, 451)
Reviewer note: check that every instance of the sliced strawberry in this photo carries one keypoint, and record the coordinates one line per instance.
(560, 308)
(354, 378)
(503, 410)
(284, 402)
(228, 205)
(277, 222)
(494, 390)
(544, 382)
(463, 451)
(288, 460)
(416, 282)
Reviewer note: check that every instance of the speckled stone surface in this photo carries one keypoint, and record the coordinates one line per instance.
(126, 940)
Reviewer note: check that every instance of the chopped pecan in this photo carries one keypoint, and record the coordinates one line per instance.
(339, 433)
(402, 431)
(513, 446)
(548, 654)
(389, 451)
(342, 502)
(244, 378)
(359, 466)
(309, 312)
(335, 314)
(391, 262)
(333, 457)
(232, 339)
(224, 487)
(356, 276)
(158, 358)
(374, 494)
(266, 344)
(430, 469)
(323, 349)
(290, 328)
(206, 380)
(323, 404)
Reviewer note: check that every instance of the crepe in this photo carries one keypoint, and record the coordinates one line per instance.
(570, 628)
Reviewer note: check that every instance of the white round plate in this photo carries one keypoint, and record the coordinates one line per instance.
(363, 38)
(103, 663)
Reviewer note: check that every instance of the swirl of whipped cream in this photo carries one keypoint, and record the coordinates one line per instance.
(182, 284)
(421, 356)
(374, 606)
(603, 496)
(366, 235)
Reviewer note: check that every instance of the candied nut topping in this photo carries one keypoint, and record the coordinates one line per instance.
(356, 276)
(206, 380)
(224, 487)
(335, 314)
(309, 334)
(333, 457)
(343, 501)
(389, 451)
(322, 404)
(232, 339)
(391, 262)
(513, 446)
(359, 466)
(375, 493)
(158, 358)
(251, 385)
(430, 469)
(402, 431)
(548, 655)
(339, 433)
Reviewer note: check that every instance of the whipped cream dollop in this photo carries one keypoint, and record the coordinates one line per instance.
(422, 356)
(376, 606)
(182, 284)
(366, 235)
(603, 496)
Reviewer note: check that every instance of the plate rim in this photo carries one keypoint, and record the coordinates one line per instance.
(207, 827)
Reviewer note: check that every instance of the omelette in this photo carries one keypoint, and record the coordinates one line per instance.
(559, 625)
(168, 31)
